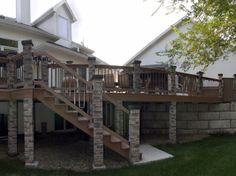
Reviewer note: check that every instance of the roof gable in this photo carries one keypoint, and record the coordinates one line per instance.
(62, 4)
(155, 41)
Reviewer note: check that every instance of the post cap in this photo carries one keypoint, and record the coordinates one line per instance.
(200, 73)
(97, 77)
(234, 75)
(220, 74)
(136, 62)
(91, 58)
(27, 42)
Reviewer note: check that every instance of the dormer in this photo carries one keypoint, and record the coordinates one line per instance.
(57, 20)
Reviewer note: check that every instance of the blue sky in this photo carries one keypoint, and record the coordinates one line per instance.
(114, 29)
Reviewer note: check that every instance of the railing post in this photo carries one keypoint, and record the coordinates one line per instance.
(172, 81)
(172, 122)
(221, 85)
(98, 161)
(11, 70)
(28, 104)
(200, 83)
(136, 76)
(134, 134)
(27, 62)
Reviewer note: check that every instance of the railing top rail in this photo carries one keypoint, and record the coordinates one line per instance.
(158, 70)
(210, 79)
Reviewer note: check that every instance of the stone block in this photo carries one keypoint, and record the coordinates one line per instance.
(227, 115)
(233, 124)
(209, 116)
(219, 107)
(192, 107)
(187, 116)
(181, 124)
(219, 124)
(186, 132)
(203, 107)
(197, 124)
(181, 107)
(233, 106)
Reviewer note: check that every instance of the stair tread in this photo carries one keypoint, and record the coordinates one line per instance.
(105, 133)
(124, 146)
(115, 139)
(83, 119)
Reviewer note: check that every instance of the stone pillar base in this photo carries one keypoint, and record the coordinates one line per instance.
(12, 154)
(34, 164)
(99, 167)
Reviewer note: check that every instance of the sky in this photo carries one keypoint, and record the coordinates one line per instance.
(115, 29)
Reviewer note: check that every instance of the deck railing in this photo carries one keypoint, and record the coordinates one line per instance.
(117, 79)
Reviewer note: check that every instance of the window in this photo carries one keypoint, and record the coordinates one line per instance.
(8, 45)
(63, 27)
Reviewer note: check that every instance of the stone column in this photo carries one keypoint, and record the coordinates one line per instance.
(98, 162)
(172, 122)
(172, 81)
(29, 132)
(28, 105)
(45, 70)
(119, 119)
(91, 70)
(134, 134)
(200, 83)
(11, 71)
(221, 85)
(91, 67)
(137, 82)
(27, 61)
(12, 129)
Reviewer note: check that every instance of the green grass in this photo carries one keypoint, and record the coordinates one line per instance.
(215, 156)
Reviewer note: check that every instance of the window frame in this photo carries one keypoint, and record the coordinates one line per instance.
(68, 27)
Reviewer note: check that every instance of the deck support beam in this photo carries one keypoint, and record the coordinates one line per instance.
(98, 149)
(134, 134)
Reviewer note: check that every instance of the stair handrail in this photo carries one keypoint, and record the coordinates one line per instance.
(71, 71)
(60, 97)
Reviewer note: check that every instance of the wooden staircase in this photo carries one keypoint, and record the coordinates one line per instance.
(60, 104)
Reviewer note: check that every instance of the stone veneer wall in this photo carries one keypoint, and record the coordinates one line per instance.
(191, 118)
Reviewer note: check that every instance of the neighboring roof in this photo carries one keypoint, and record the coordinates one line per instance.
(67, 50)
(50, 12)
(11, 22)
(154, 41)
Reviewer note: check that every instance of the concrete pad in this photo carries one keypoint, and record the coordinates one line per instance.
(151, 154)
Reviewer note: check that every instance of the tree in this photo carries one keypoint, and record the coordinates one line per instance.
(211, 37)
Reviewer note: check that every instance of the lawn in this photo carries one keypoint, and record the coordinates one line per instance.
(214, 156)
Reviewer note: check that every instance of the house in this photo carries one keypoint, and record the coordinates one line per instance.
(49, 83)
(149, 58)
